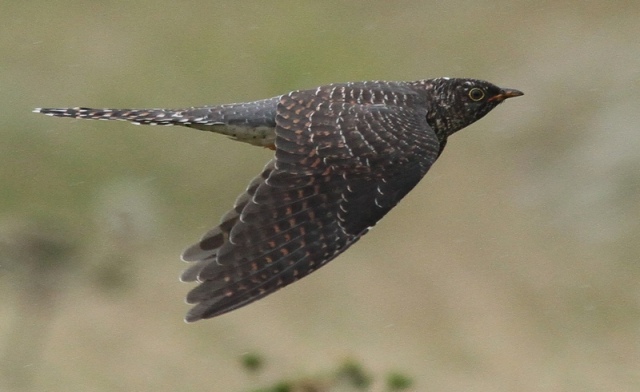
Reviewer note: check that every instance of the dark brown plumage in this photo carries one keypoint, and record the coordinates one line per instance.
(345, 154)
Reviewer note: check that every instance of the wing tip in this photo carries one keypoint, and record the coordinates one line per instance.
(191, 254)
(190, 318)
(199, 312)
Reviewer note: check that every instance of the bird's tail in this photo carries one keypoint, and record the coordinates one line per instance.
(251, 122)
(136, 116)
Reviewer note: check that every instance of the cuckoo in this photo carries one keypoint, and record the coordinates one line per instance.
(345, 154)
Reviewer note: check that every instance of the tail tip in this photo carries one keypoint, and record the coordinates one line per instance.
(48, 111)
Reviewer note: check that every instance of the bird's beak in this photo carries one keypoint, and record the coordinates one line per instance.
(506, 93)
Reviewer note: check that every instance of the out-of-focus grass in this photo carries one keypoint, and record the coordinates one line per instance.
(512, 266)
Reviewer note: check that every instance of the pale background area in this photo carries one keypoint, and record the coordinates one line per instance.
(513, 266)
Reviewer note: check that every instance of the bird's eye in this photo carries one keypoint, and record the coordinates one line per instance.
(476, 94)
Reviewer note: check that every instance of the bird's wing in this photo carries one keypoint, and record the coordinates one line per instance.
(345, 156)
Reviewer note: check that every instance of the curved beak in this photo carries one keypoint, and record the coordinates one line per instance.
(506, 93)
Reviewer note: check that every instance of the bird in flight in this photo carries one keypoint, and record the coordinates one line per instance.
(345, 154)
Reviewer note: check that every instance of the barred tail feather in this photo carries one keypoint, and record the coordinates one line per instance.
(252, 122)
(136, 116)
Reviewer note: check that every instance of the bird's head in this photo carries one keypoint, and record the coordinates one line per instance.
(460, 102)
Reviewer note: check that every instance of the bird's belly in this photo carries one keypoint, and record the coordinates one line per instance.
(263, 136)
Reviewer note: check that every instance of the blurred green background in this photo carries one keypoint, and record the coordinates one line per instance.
(513, 266)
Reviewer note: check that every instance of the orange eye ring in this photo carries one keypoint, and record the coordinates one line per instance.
(476, 94)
